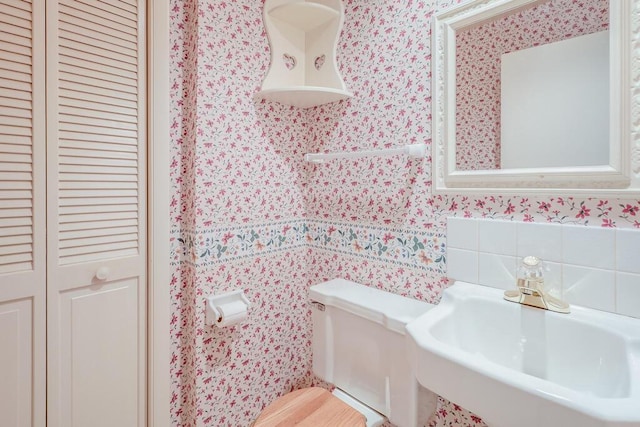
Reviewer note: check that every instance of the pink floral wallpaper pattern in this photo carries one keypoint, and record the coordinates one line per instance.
(479, 51)
(248, 213)
(233, 163)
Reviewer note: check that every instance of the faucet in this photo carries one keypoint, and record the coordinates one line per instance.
(530, 283)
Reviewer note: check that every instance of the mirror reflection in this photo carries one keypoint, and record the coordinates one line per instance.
(532, 88)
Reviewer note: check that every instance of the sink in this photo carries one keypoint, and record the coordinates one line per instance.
(515, 365)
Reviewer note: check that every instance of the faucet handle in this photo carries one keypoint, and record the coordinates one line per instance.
(531, 273)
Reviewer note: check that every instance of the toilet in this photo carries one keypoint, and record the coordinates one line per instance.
(358, 346)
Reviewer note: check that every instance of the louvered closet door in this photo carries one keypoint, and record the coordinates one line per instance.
(96, 213)
(22, 213)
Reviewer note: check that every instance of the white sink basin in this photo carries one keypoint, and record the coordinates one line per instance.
(515, 365)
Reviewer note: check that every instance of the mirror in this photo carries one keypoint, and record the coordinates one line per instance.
(550, 75)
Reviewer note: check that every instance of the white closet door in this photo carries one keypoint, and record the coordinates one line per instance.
(22, 214)
(96, 214)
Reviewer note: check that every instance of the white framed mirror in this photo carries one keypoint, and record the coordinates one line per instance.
(559, 77)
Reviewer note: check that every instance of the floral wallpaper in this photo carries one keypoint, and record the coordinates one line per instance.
(248, 213)
(478, 68)
(236, 176)
(245, 367)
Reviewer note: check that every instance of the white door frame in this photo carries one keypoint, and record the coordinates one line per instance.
(159, 274)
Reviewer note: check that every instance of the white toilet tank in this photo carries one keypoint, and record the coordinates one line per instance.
(359, 346)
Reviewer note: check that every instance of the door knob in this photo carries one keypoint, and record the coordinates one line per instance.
(102, 273)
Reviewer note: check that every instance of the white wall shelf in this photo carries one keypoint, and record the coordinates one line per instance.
(304, 15)
(304, 96)
(303, 36)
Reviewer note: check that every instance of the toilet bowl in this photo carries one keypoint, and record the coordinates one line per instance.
(359, 346)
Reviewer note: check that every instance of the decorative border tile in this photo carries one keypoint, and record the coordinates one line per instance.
(223, 244)
(415, 248)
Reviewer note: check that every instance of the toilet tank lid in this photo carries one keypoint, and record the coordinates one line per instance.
(391, 310)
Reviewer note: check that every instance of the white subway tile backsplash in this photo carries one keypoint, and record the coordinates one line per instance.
(462, 265)
(462, 233)
(628, 294)
(589, 287)
(497, 271)
(497, 237)
(628, 251)
(588, 246)
(587, 266)
(541, 240)
(553, 278)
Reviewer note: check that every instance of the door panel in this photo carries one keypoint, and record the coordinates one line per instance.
(78, 147)
(101, 354)
(16, 361)
(96, 169)
(22, 214)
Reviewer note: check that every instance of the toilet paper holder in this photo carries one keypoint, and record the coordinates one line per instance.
(216, 304)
